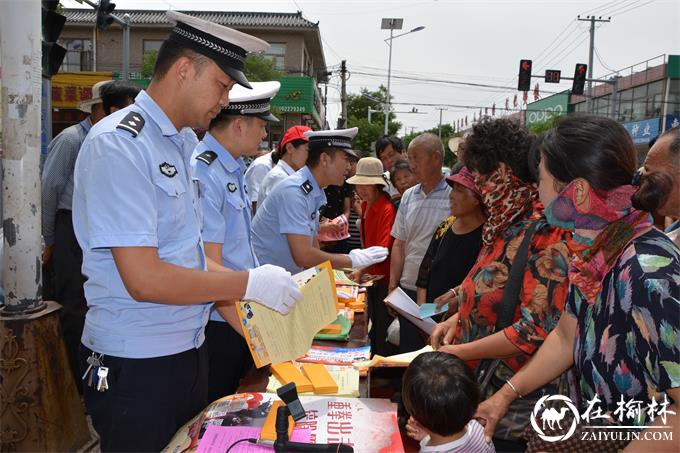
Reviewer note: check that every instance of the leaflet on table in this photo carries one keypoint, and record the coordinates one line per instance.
(367, 424)
(406, 307)
(336, 356)
(346, 377)
(275, 338)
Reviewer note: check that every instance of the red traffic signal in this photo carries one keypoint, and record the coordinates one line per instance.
(579, 79)
(524, 80)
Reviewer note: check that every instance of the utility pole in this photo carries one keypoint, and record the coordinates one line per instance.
(592, 20)
(41, 410)
(441, 111)
(343, 92)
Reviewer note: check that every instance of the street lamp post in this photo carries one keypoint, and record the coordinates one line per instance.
(392, 24)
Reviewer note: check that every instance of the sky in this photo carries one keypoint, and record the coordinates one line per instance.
(468, 41)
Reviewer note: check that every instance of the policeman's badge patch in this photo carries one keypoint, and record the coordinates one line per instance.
(168, 169)
(313, 215)
(133, 123)
(306, 187)
(231, 187)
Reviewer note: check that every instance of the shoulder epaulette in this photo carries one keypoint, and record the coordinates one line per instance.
(207, 157)
(133, 123)
(306, 187)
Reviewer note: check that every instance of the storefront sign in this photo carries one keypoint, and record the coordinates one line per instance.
(70, 88)
(545, 109)
(643, 131)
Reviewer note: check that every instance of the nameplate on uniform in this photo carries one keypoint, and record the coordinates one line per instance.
(306, 187)
(133, 123)
(207, 157)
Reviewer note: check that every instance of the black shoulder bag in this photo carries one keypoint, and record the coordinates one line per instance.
(509, 303)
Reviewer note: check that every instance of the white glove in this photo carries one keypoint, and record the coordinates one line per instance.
(367, 257)
(273, 287)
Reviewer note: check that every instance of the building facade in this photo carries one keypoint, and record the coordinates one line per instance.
(296, 49)
(645, 99)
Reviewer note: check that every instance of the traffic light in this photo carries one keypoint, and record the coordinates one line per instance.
(579, 79)
(52, 25)
(104, 17)
(524, 81)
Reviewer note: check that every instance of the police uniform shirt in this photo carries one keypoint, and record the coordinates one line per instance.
(277, 174)
(225, 205)
(291, 208)
(133, 188)
(256, 172)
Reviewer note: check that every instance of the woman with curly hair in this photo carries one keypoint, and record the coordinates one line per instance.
(620, 329)
(526, 279)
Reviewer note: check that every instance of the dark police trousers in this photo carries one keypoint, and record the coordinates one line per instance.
(148, 400)
(229, 359)
(67, 262)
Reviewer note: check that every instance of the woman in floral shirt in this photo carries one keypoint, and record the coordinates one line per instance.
(497, 154)
(621, 327)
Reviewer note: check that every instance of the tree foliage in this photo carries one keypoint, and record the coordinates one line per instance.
(357, 116)
(547, 124)
(148, 62)
(259, 68)
(447, 134)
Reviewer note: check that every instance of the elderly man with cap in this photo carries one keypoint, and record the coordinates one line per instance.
(286, 225)
(218, 166)
(136, 215)
(292, 157)
(62, 252)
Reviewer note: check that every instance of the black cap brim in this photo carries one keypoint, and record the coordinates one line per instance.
(236, 75)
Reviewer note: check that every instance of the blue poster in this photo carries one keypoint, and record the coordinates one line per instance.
(643, 131)
(672, 121)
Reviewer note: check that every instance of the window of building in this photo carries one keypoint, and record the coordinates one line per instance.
(277, 52)
(673, 107)
(639, 102)
(78, 55)
(626, 106)
(655, 93)
(152, 44)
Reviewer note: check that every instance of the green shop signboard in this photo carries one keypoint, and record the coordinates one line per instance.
(544, 109)
(296, 95)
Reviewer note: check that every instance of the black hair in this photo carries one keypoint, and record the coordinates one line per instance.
(119, 94)
(386, 140)
(170, 52)
(440, 391)
(296, 143)
(398, 166)
(656, 187)
(314, 155)
(594, 148)
(499, 140)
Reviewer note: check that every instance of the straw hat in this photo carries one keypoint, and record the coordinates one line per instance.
(86, 104)
(369, 171)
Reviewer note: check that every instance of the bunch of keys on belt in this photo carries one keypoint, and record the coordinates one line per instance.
(96, 373)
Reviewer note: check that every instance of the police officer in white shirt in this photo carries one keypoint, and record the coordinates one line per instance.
(136, 215)
(218, 166)
(293, 154)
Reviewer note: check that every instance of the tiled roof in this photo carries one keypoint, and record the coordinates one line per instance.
(230, 19)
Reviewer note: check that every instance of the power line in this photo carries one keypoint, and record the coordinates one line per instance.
(593, 11)
(622, 6)
(635, 7)
(599, 58)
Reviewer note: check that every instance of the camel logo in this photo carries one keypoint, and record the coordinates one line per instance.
(553, 418)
